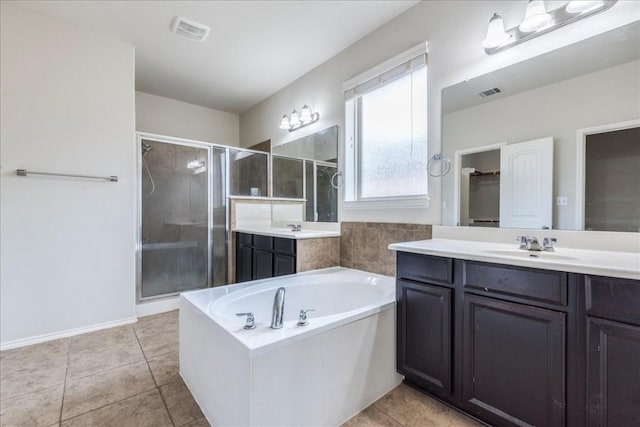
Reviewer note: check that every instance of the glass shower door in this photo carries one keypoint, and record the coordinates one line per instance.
(175, 218)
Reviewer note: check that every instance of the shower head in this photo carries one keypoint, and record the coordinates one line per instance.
(146, 148)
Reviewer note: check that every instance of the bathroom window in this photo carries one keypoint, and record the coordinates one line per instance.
(386, 134)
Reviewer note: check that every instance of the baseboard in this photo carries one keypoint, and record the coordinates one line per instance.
(157, 307)
(8, 345)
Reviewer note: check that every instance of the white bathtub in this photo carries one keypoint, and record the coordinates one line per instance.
(317, 375)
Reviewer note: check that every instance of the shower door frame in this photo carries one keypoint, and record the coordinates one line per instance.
(140, 136)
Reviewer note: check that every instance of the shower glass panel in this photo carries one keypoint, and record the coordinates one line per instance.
(182, 199)
(288, 177)
(248, 173)
(326, 194)
(218, 217)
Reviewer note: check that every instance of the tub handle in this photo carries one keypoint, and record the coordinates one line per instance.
(251, 320)
(302, 319)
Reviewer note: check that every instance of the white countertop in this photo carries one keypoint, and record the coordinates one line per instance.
(287, 233)
(602, 263)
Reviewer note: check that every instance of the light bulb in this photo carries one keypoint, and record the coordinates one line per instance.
(496, 36)
(581, 6)
(295, 119)
(195, 164)
(305, 114)
(284, 124)
(535, 18)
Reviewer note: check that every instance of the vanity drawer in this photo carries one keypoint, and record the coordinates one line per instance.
(611, 298)
(245, 239)
(543, 286)
(284, 246)
(424, 268)
(262, 242)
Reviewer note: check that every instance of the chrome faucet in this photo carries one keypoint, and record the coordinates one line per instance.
(529, 243)
(277, 315)
(547, 244)
(295, 227)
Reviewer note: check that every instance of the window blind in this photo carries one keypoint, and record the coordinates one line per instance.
(385, 77)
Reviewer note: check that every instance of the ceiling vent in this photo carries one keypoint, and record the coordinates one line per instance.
(190, 29)
(489, 92)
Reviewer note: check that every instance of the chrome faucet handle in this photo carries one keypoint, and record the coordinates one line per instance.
(302, 319)
(547, 244)
(523, 242)
(533, 244)
(251, 321)
(295, 227)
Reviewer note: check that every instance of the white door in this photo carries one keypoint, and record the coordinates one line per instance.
(526, 184)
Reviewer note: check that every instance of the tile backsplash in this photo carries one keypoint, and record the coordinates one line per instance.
(363, 245)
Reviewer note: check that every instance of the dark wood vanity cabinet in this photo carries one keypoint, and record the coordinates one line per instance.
(518, 346)
(513, 362)
(613, 351)
(424, 340)
(262, 257)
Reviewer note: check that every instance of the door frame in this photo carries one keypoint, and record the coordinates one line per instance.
(457, 170)
(581, 148)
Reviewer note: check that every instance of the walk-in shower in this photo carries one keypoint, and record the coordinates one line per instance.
(182, 217)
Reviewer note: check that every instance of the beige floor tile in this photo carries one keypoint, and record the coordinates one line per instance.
(182, 407)
(40, 408)
(372, 417)
(414, 409)
(144, 410)
(28, 369)
(158, 334)
(202, 422)
(165, 368)
(91, 360)
(104, 339)
(94, 391)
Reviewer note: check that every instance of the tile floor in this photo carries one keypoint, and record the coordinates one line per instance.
(128, 376)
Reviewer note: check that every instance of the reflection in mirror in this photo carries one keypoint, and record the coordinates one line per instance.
(247, 173)
(553, 97)
(304, 169)
(612, 180)
(287, 177)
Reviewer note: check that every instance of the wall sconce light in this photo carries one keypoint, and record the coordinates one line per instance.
(297, 121)
(538, 21)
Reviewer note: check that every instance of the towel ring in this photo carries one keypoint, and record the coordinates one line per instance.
(335, 183)
(446, 165)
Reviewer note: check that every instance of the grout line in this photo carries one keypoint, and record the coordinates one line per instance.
(64, 387)
(164, 402)
(110, 404)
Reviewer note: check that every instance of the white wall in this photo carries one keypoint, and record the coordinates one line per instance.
(454, 31)
(558, 110)
(67, 245)
(165, 116)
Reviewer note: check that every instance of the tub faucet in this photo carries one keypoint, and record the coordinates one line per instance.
(278, 309)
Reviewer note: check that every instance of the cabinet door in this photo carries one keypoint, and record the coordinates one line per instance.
(262, 264)
(424, 335)
(283, 264)
(244, 263)
(513, 362)
(613, 373)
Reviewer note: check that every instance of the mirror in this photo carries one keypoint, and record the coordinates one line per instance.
(522, 140)
(306, 168)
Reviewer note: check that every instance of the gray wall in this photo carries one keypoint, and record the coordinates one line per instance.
(454, 31)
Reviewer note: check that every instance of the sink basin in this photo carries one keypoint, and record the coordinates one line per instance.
(519, 253)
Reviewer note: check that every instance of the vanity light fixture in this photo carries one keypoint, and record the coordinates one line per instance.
(538, 21)
(535, 17)
(296, 121)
